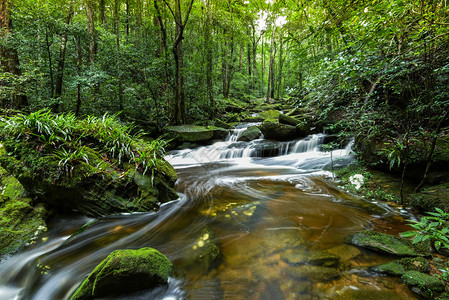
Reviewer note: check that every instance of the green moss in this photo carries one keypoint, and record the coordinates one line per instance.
(270, 115)
(388, 244)
(125, 271)
(434, 196)
(400, 267)
(428, 284)
(20, 223)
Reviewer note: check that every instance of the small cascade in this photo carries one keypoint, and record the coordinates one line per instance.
(308, 144)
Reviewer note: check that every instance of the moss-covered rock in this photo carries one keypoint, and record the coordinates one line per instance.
(427, 284)
(386, 243)
(284, 119)
(251, 133)
(434, 196)
(190, 133)
(125, 271)
(96, 188)
(401, 266)
(270, 115)
(276, 131)
(221, 124)
(21, 221)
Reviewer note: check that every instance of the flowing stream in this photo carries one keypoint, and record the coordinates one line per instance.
(255, 220)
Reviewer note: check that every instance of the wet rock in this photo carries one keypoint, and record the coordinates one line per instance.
(386, 243)
(284, 119)
(253, 119)
(189, 133)
(276, 131)
(401, 266)
(187, 145)
(21, 221)
(125, 271)
(345, 252)
(270, 115)
(203, 255)
(434, 196)
(94, 189)
(252, 133)
(300, 256)
(312, 273)
(221, 124)
(293, 289)
(425, 284)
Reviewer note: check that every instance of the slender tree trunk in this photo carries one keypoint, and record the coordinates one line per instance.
(79, 54)
(91, 29)
(119, 65)
(271, 66)
(178, 55)
(9, 59)
(50, 63)
(127, 18)
(62, 50)
(102, 12)
(139, 7)
(209, 62)
(281, 63)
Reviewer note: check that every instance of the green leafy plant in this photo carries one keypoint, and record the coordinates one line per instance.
(434, 227)
(68, 158)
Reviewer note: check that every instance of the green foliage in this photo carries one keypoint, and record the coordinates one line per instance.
(67, 138)
(434, 228)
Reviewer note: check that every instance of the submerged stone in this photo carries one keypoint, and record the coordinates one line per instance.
(386, 243)
(300, 256)
(312, 273)
(125, 271)
(203, 255)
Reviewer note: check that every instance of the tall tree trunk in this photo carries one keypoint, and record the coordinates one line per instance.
(139, 8)
(62, 50)
(102, 12)
(209, 62)
(127, 17)
(48, 44)
(9, 60)
(91, 29)
(271, 66)
(178, 55)
(79, 54)
(119, 64)
(281, 63)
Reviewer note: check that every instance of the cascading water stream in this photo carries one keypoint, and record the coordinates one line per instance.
(262, 204)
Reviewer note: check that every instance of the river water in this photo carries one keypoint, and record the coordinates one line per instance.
(254, 220)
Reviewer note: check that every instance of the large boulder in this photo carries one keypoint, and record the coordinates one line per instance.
(269, 115)
(194, 133)
(251, 133)
(277, 131)
(94, 166)
(125, 271)
(93, 189)
(387, 243)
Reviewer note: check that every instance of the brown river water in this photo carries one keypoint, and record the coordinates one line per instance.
(244, 227)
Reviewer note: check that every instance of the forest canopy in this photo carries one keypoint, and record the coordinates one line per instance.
(180, 61)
